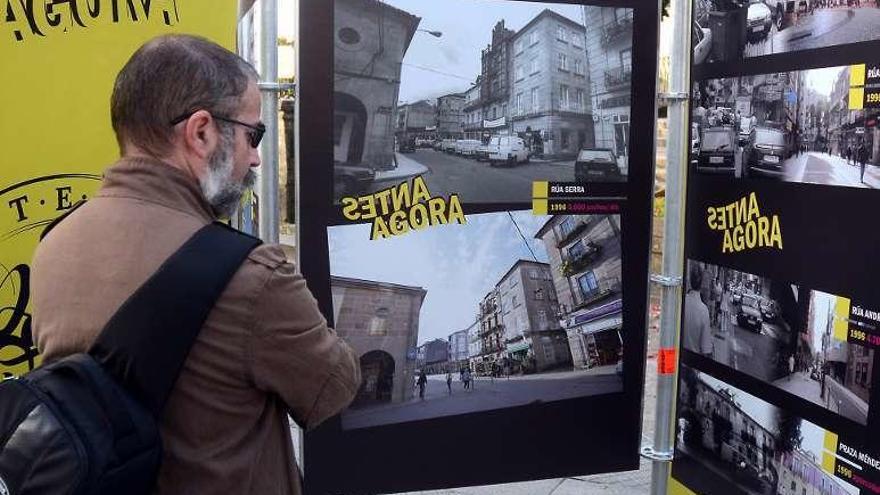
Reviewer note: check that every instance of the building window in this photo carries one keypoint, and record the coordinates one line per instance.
(588, 284)
(533, 38)
(563, 96)
(519, 72)
(379, 323)
(562, 62)
(513, 301)
(576, 251)
(349, 36)
(534, 99)
(565, 136)
(504, 110)
(581, 100)
(577, 40)
(620, 14)
(533, 66)
(519, 104)
(566, 226)
(578, 67)
(519, 45)
(626, 58)
(561, 34)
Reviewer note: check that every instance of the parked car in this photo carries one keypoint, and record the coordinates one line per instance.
(759, 20)
(508, 149)
(749, 316)
(745, 128)
(597, 165)
(406, 145)
(449, 145)
(482, 152)
(695, 140)
(765, 152)
(437, 144)
(768, 310)
(718, 151)
(702, 42)
(351, 179)
(467, 147)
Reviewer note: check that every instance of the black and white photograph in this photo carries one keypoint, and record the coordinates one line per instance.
(731, 442)
(729, 30)
(790, 126)
(506, 310)
(827, 370)
(479, 97)
(740, 320)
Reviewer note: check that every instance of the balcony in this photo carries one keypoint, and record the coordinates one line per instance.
(618, 78)
(488, 330)
(488, 309)
(574, 234)
(607, 287)
(618, 29)
(577, 264)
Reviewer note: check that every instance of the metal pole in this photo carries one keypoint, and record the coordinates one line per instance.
(268, 199)
(673, 249)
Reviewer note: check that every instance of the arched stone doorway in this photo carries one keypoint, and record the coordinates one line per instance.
(377, 371)
(349, 128)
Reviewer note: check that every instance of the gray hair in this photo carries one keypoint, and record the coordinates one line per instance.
(170, 76)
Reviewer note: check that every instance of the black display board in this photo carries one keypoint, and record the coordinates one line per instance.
(538, 387)
(778, 362)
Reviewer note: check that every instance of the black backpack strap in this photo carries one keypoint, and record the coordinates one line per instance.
(145, 344)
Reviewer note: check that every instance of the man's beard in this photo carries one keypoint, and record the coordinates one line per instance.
(220, 189)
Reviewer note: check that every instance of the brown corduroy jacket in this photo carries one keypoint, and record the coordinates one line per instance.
(264, 352)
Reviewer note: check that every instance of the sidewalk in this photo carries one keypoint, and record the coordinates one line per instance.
(842, 173)
(625, 483)
(406, 169)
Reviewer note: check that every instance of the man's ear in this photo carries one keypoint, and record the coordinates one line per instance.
(200, 134)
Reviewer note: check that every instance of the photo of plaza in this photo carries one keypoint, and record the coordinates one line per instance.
(479, 97)
(730, 442)
(507, 310)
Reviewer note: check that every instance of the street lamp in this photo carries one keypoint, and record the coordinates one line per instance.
(435, 34)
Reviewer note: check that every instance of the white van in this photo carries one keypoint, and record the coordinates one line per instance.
(507, 149)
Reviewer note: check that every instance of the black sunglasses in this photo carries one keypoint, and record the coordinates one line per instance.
(254, 133)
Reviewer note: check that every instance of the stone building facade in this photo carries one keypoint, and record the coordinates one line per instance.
(367, 61)
(550, 84)
(533, 338)
(450, 116)
(609, 57)
(381, 322)
(585, 255)
(491, 332)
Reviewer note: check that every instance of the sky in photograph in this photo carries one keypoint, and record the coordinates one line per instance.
(822, 304)
(822, 80)
(812, 436)
(457, 264)
(451, 63)
(762, 412)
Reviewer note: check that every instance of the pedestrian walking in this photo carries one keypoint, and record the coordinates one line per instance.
(467, 379)
(863, 158)
(449, 381)
(790, 366)
(423, 381)
(697, 331)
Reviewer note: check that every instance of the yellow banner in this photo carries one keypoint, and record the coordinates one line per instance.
(58, 62)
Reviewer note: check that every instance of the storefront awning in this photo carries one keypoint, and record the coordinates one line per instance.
(518, 347)
(613, 307)
(601, 325)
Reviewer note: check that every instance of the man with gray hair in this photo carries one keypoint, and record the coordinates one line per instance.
(186, 113)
